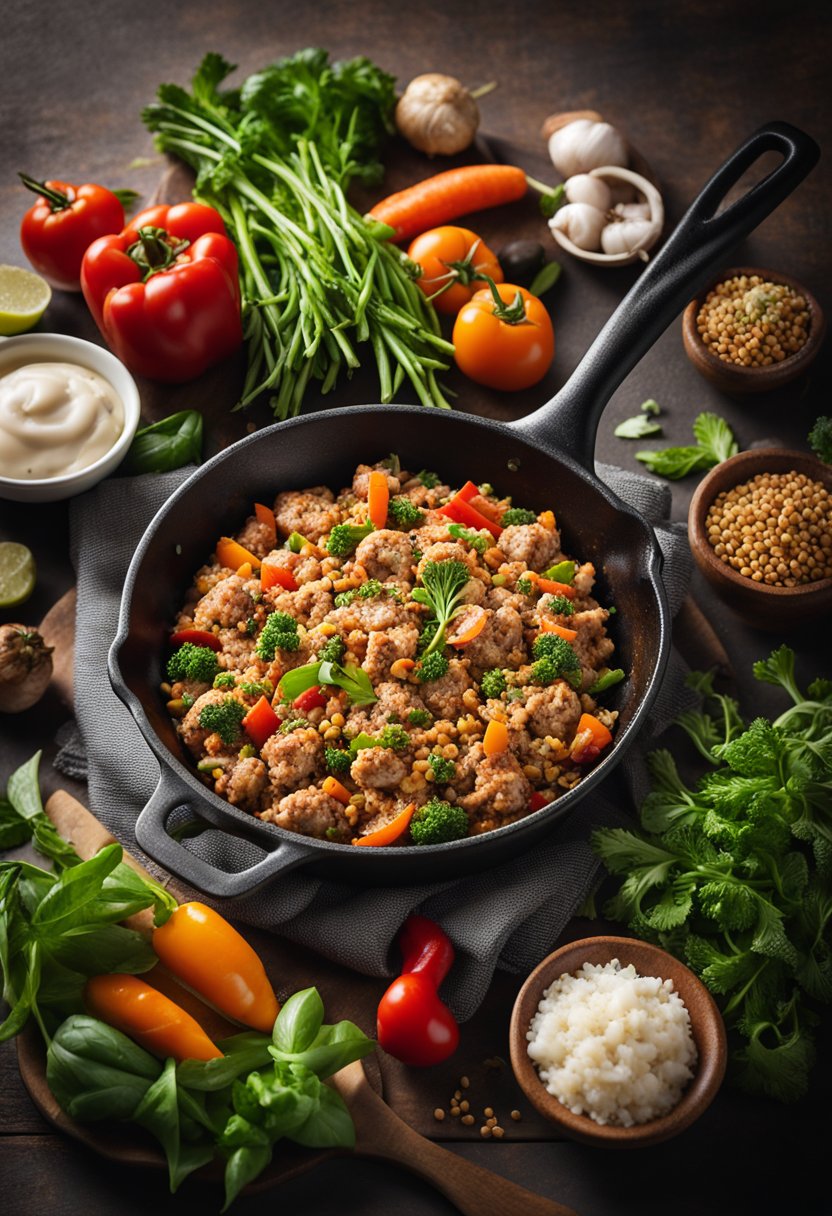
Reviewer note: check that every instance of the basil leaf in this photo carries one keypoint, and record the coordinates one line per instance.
(607, 680)
(651, 407)
(299, 1021)
(242, 1053)
(637, 428)
(298, 680)
(715, 437)
(22, 1003)
(329, 1126)
(96, 1072)
(76, 887)
(545, 278)
(14, 830)
(165, 445)
(675, 463)
(22, 789)
(333, 1048)
(95, 949)
(243, 1166)
(158, 1112)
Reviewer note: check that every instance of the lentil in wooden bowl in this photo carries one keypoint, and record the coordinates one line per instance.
(621, 1029)
(752, 330)
(760, 528)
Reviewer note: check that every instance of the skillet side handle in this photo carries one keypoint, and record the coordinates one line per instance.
(569, 422)
(152, 835)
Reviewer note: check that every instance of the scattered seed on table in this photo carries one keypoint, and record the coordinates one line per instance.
(439, 1114)
(485, 1132)
(465, 1107)
(464, 1082)
(457, 1095)
(516, 1116)
(455, 1112)
(498, 1131)
(492, 1122)
(488, 1112)
(468, 1120)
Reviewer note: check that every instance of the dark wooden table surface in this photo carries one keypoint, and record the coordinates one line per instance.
(687, 82)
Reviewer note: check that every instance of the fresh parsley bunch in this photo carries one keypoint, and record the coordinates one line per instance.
(735, 875)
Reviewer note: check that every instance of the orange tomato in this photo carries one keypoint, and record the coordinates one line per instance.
(507, 346)
(203, 950)
(450, 258)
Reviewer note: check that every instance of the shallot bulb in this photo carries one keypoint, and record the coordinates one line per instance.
(25, 668)
(437, 113)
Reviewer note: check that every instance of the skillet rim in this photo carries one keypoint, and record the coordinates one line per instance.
(223, 810)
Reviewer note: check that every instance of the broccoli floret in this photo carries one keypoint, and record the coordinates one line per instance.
(443, 770)
(280, 632)
(429, 480)
(366, 591)
(555, 659)
(225, 679)
(404, 513)
(419, 717)
(332, 651)
(223, 719)
(559, 604)
(493, 682)
(337, 760)
(291, 724)
(192, 662)
(517, 515)
(438, 822)
(394, 736)
(477, 542)
(187, 700)
(432, 667)
(257, 688)
(345, 537)
(820, 438)
(523, 586)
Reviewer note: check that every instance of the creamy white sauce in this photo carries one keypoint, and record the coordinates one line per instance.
(55, 418)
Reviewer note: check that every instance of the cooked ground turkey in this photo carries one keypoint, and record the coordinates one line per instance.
(357, 610)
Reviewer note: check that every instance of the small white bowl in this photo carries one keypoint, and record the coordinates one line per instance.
(58, 348)
(651, 197)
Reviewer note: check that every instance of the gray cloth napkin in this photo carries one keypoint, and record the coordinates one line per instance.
(508, 916)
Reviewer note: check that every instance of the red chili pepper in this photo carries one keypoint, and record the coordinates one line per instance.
(461, 512)
(197, 637)
(261, 722)
(164, 292)
(59, 228)
(311, 698)
(413, 1024)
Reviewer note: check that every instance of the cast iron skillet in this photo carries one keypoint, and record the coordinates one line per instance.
(543, 460)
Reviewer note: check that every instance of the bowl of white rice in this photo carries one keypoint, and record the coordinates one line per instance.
(617, 1041)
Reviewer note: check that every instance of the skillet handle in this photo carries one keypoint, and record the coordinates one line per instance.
(153, 836)
(568, 423)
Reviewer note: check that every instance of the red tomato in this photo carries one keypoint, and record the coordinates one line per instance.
(59, 228)
(452, 256)
(508, 346)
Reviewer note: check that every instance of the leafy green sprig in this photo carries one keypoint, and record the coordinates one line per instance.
(735, 874)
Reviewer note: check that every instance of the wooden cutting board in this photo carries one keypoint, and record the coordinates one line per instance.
(381, 1133)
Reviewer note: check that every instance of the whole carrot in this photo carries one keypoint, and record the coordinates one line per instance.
(444, 197)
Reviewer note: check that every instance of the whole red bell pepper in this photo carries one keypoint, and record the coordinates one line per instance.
(165, 293)
(413, 1024)
(58, 229)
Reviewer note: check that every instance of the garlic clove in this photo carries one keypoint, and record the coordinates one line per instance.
(583, 188)
(632, 211)
(437, 114)
(629, 236)
(580, 223)
(583, 145)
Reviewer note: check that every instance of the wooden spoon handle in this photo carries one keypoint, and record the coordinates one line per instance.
(473, 1189)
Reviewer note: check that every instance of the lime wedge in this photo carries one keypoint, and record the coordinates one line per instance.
(17, 573)
(24, 297)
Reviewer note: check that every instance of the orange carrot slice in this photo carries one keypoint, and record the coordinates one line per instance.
(568, 635)
(468, 625)
(336, 790)
(245, 570)
(273, 575)
(550, 587)
(261, 722)
(232, 555)
(378, 498)
(546, 519)
(266, 516)
(495, 739)
(590, 739)
(391, 831)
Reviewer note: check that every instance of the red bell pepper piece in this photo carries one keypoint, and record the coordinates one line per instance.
(461, 512)
(537, 801)
(310, 698)
(261, 722)
(272, 575)
(197, 637)
(413, 1024)
(58, 229)
(165, 293)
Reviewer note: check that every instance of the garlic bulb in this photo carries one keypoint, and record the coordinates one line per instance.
(632, 211)
(25, 668)
(582, 188)
(581, 223)
(437, 114)
(628, 236)
(583, 145)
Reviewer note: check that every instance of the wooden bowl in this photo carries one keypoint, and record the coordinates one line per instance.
(760, 605)
(706, 1025)
(733, 378)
